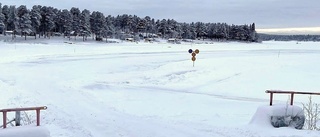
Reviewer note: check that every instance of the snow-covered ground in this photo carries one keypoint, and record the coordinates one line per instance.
(125, 89)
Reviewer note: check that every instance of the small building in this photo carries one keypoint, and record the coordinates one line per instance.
(8, 32)
(174, 41)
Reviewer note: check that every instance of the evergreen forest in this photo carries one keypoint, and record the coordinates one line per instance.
(46, 21)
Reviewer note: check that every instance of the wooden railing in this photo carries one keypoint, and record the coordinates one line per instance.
(288, 92)
(17, 110)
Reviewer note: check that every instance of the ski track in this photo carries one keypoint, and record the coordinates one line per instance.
(236, 98)
(70, 58)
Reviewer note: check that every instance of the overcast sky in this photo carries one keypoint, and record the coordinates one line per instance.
(265, 13)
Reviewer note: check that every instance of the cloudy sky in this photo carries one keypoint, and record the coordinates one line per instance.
(267, 14)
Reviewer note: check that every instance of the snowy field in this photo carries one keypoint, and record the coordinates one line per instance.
(151, 90)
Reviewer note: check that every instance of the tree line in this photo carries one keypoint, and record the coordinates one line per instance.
(267, 37)
(47, 21)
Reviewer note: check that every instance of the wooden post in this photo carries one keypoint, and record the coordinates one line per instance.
(4, 119)
(271, 97)
(38, 117)
(18, 118)
(291, 102)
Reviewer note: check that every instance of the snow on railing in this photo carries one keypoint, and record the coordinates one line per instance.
(17, 110)
(288, 92)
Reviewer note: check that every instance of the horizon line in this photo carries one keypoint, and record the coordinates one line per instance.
(295, 30)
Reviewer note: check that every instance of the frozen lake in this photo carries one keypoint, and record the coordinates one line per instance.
(153, 90)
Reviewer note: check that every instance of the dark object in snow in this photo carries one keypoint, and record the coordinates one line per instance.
(98, 39)
(288, 121)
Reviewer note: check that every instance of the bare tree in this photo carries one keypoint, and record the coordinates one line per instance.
(311, 110)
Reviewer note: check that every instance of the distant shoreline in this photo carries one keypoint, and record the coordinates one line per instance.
(291, 31)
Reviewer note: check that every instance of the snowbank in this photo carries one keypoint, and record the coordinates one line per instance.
(263, 115)
(25, 131)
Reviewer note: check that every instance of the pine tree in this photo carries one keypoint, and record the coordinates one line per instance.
(85, 24)
(66, 20)
(127, 23)
(98, 24)
(226, 31)
(24, 21)
(123, 22)
(109, 27)
(13, 21)
(148, 25)
(162, 27)
(47, 20)
(169, 29)
(174, 29)
(185, 32)
(133, 26)
(253, 33)
(5, 12)
(35, 19)
(200, 29)
(75, 14)
(2, 19)
(141, 26)
(193, 31)
(25, 25)
(117, 23)
(178, 30)
(212, 30)
(57, 26)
